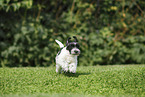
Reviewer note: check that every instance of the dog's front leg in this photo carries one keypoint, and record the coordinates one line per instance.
(65, 66)
(72, 67)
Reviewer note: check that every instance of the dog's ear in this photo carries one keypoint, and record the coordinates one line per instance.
(76, 40)
(68, 40)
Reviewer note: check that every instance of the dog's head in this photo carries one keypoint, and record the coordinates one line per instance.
(73, 47)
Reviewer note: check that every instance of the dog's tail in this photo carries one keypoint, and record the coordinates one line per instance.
(60, 44)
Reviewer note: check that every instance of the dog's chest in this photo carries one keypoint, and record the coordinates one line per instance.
(70, 59)
(65, 56)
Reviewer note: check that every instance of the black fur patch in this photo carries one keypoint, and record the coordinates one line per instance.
(72, 45)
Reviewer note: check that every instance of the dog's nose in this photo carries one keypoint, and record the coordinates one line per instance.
(76, 52)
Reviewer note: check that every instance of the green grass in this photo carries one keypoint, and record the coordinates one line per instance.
(89, 81)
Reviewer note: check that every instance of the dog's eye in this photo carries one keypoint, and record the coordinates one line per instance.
(77, 46)
(72, 45)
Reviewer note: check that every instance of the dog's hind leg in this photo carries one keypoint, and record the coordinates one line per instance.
(58, 68)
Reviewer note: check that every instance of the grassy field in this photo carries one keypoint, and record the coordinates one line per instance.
(128, 80)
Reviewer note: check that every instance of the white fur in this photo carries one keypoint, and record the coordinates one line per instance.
(65, 61)
(60, 44)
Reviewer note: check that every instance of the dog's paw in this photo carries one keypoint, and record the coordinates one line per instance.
(65, 70)
(72, 71)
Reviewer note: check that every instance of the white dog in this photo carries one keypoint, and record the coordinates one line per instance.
(66, 59)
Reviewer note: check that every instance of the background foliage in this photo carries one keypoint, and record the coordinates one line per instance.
(109, 31)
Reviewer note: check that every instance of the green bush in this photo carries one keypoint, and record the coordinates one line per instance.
(109, 32)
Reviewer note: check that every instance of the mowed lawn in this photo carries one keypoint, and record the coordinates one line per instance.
(117, 80)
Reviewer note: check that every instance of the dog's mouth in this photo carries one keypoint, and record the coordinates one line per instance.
(75, 52)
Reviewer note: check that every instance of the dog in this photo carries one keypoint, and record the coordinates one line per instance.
(66, 59)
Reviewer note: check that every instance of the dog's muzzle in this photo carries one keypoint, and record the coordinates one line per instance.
(75, 51)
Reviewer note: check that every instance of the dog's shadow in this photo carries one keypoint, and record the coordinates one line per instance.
(75, 74)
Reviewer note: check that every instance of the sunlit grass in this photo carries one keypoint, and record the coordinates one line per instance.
(97, 80)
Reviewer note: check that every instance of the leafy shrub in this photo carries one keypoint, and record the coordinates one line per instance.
(110, 32)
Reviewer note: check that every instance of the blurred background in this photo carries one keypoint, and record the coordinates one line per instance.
(109, 31)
